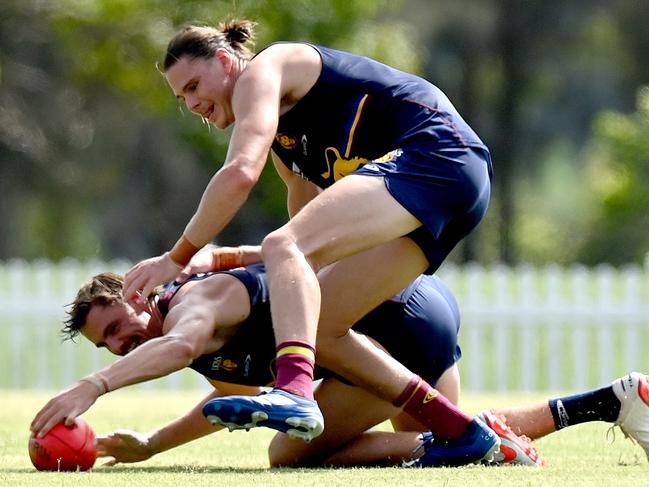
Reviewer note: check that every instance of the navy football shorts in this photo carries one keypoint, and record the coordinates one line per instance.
(447, 190)
(419, 328)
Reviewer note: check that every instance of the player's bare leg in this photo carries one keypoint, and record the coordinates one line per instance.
(325, 231)
(532, 420)
(350, 412)
(317, 232)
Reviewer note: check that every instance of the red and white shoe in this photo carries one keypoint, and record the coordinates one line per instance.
(514, 449)
(633, 392)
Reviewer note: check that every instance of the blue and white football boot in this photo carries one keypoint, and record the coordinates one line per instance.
(294, 415)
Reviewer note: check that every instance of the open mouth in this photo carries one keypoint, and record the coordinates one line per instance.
(208, 114)
(132, 346)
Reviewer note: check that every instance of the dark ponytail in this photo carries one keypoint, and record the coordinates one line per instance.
(238, 33)
(201, 42)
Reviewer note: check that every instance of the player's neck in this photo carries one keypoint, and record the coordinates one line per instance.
(156, 319)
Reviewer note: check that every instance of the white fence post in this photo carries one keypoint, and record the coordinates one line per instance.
(604, 320)
(551, 316)
(472, 303)
(631, 301)
(529, 344)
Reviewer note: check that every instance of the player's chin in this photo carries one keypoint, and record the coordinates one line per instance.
(221, 124)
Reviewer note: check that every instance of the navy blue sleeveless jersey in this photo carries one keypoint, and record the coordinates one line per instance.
(248, 356)
(418, 327)
(361, 110)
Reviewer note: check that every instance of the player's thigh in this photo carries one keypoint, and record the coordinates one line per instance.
(348, 411)
(449, 384)
(354, 214)
(353, 286)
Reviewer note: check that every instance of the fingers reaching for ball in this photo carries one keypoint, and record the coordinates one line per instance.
(64, 407)
(125, 447)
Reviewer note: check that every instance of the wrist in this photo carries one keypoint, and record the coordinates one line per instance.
(227, 260)
(99, 381)
(153, 443)
(179, 266)
(182, 251)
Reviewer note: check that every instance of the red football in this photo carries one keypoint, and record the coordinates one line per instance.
(64, 448)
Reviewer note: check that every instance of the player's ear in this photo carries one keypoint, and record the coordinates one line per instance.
(224, 57)
(140, 305)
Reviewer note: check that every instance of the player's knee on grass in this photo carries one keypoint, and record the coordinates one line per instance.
(284, 452)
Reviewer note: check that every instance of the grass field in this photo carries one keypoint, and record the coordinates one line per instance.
(581, 456)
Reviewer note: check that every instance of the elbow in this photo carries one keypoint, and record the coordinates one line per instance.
(183, 351)
(240, 176)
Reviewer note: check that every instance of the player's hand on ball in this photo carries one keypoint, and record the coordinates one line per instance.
(65, 406)
(125, 447)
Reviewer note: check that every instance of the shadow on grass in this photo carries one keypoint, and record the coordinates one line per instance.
(169, 469)
(183, 469)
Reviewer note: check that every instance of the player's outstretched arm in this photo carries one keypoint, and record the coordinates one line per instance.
(155, 358)
(124, 446)
(190, 325)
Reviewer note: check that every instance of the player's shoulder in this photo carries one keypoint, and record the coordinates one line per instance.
(286, 49)
(286, 57)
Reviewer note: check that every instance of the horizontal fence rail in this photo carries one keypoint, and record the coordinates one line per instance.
(523, 328)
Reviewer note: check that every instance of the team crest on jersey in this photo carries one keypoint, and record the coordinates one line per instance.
(287, 141)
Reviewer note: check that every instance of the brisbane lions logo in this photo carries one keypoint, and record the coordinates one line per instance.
(341, 167)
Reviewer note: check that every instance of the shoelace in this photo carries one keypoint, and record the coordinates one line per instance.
(425, 438)
(610, 439)
(611, 433)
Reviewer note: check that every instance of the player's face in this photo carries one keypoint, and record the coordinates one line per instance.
(205, 85)
(118, 327)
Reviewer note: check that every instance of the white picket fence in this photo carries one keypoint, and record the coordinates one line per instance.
(523, 328)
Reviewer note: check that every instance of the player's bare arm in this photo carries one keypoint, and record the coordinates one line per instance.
(255, 100)
(221, 259)
(271, 84)
(199, 321)
(201, 317)
(126, 446)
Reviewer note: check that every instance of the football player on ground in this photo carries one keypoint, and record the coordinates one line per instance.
(219, 324)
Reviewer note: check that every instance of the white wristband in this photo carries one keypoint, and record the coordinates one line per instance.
(99, 381)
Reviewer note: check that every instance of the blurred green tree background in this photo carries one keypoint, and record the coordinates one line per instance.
(98, 160)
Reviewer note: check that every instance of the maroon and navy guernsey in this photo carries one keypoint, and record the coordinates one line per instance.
(418, 327)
